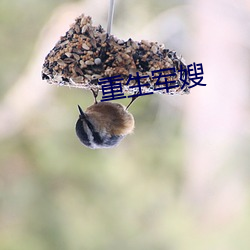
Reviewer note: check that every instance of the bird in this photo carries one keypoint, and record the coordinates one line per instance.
(104, 124)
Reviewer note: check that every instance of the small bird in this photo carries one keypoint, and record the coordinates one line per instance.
(104, 124)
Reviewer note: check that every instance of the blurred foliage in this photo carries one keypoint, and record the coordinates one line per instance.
(20, 23)
(56, 194)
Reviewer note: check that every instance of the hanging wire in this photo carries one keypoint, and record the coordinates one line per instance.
(110, 15)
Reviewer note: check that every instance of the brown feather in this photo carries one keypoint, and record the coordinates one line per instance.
(112, 117)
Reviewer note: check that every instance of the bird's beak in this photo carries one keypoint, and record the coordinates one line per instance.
(82, 115)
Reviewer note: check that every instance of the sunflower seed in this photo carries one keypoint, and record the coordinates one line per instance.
(88, 62)
(85, 46)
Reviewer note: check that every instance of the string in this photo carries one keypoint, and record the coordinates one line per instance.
(110, 15)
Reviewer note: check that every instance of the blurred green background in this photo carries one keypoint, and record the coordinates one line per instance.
(181, 181)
